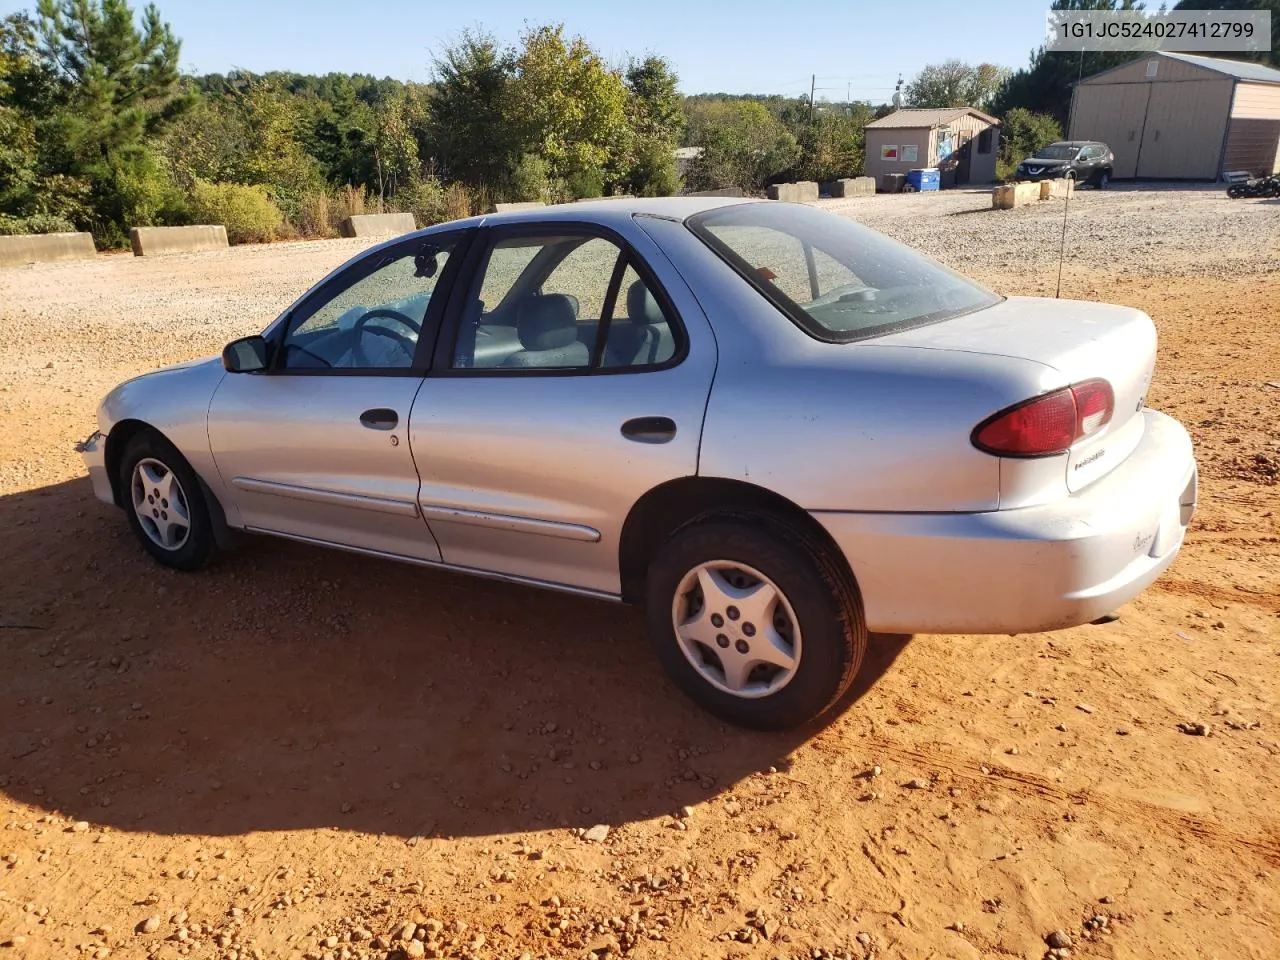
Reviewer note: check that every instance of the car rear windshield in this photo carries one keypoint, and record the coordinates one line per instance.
(1057, 151)
(837, 280)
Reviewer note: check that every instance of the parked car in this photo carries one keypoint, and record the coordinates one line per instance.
(775, 428)
(1085, 161)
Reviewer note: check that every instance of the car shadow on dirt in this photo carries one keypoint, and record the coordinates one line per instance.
(290, 687)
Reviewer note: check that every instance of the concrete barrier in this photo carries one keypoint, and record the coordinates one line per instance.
(518, 205)
(722, 192)
(850, 187)
(158, 241)
(1012, 195)
(1053, 189)
(45, 248)
(377, 225)
(891, 182)
(793, 192)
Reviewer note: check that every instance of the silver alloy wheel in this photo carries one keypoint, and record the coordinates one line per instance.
(161, 504)
(736, 628)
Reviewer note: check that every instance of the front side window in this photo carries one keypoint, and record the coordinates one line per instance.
(560, 302)
(836, 279)
(373, 322)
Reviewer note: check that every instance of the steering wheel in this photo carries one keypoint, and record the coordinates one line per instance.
(407, 344)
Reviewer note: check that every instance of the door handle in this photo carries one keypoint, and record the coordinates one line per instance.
(650, 429)
(380, 418)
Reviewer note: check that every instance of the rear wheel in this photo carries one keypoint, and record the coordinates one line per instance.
(1103, 180)
(756, 623)
(164, 503)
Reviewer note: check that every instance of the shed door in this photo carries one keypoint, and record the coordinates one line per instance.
(1184, 130)
(1112, 113)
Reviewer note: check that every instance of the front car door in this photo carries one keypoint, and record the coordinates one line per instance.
(316, 447)
(572, 377)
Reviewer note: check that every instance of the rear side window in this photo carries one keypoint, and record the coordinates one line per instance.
(563, 302)
(837, 280)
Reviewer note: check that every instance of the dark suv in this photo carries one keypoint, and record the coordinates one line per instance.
(1086, 161)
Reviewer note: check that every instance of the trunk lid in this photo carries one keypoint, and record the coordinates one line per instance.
(1080, 340)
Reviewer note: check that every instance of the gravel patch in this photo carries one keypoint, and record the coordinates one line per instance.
(1142, 230)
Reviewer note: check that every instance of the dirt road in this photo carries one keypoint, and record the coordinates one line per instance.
(304, 753)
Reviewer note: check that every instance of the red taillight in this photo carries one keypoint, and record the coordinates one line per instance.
(1049, 424)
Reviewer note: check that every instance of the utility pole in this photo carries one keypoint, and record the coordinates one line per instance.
(813, 86)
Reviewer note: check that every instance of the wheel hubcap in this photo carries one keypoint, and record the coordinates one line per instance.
(161, 504)
(736, 629)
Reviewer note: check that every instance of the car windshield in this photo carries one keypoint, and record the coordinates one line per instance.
(1057, 151)
(837, 280)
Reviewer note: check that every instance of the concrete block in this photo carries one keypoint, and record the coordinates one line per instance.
(1054, 189)
(1012, 195)
(45, 248)
(722, 192)
(520, 205)
(158, 241)
(794, 192)
(850, 187)
(891, 182)
(377, 225)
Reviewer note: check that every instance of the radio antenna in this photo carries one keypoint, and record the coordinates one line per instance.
(1066, 205)
(1062, 245)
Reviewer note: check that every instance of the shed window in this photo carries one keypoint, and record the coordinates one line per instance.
(1152, 67)
(984, 141)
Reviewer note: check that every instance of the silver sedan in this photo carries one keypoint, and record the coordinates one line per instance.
(775, 428)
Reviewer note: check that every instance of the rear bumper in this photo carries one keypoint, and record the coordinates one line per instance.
(1031, 569)
(94, 452)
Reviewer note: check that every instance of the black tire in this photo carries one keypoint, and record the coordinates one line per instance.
(198, 547)
(1235, 191)
(820, 591)
(1102, 180)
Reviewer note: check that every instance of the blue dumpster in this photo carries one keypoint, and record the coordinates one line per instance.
(925, 179)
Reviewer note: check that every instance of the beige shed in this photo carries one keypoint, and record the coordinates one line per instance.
(961, 140)
(1178, 116)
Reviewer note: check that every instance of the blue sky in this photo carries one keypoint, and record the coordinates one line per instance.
(746, 46)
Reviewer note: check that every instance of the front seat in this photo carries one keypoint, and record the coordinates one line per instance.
(547, 326)
(644, 338)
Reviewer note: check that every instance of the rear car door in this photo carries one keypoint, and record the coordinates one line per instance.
(1090, 160)
(316, 446)
(572, 377)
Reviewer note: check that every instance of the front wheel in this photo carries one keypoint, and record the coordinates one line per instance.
(164, 503)
(756, 623)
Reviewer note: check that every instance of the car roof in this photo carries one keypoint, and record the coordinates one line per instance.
(606, 212)
(1076, 143)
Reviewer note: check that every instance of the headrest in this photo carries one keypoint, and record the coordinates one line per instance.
(546, 322)
(642, 308)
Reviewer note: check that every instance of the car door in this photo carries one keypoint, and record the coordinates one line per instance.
(571, 379)
(316, 447)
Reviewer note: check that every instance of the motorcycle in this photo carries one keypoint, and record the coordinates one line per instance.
(1256, 187)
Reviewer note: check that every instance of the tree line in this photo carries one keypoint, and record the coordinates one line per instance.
(100, 131)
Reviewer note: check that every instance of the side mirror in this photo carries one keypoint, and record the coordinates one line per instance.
(246, 355)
